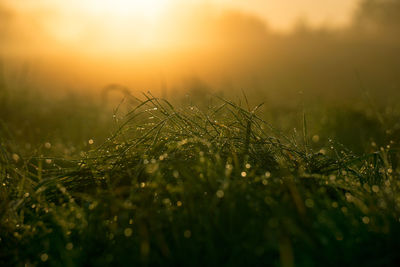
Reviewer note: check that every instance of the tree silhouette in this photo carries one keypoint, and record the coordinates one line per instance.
(378, 16)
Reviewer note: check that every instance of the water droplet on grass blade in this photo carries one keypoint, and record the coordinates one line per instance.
(44, 257)
(309, 203)
(187, 234)
(69, 246)
(365, 220)
(128, 232)
(15, 157)
(375, 188)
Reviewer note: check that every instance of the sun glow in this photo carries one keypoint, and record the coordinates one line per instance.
(148, 10)
(126, 27)
(107, 25)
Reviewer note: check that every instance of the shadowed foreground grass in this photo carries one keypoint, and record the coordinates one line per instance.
(200, 187)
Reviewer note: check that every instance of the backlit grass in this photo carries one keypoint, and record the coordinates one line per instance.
(181, 185)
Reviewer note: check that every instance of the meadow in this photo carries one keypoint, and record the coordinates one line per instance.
(194, 183)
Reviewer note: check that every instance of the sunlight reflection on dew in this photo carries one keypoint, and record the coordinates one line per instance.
(69, 246)
(365, 220)
(309, 203)
(15, 157)
(44, 257)
(187, 233)
(128, 232)
(375, 188)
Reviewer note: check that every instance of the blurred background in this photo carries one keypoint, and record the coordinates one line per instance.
(332, 49)
(77, 159)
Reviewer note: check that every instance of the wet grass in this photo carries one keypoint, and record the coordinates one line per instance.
(182, 185)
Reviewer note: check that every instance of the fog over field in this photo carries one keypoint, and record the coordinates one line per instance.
(321, 49)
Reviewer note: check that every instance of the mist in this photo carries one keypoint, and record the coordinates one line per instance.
(228, 50)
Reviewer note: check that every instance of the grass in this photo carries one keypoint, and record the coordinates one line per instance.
(180, 185)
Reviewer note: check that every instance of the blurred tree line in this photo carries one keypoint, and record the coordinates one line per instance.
(236, 50)
(378, 18)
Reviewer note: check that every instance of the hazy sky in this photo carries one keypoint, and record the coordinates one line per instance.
(133, 41)
(280, 13)
(120, 25)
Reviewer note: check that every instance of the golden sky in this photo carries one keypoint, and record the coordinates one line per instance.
(112, 39)
(108, 24)
(280, 13)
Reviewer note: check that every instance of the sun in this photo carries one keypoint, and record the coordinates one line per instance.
(148, 10)
(108, 24)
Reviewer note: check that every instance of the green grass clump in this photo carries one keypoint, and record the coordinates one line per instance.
(200, 187)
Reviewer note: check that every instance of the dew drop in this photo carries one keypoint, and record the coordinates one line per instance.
(309, 203)
(15, 157)
(44, 257)
(220, 194)
(375, 188)
(128, 232)
(69, 246)
(187, 234)
(365, 220)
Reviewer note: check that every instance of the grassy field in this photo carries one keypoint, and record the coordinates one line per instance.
(218, 183)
